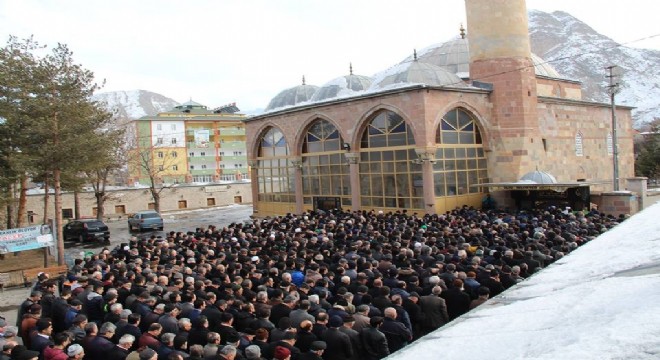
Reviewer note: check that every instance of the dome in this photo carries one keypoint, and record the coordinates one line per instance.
(543, 68)
(292, 96)
(454, 55)
(539, 177)
(415, 72)
(342, 86)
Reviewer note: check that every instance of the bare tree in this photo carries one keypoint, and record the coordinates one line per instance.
(156, 164)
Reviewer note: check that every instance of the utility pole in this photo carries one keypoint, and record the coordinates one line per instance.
(613, 89)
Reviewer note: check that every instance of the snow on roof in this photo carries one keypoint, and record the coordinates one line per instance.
(599, 302)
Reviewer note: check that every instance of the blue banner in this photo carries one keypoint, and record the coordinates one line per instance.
(27, 238)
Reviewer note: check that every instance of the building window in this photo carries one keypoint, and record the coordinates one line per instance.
(192, 167)
(579, 147)
(173, 141)
(221, 153)
(175, 167)
(460, 161)
(191, 154)
(159, 141)
(324, 172)
(67, 213)
(457, 127)
(222, 166)
(160, 154)
(202, 153)
(203, 166)
(174, 154)
(161, 168)
(159, 127)
(390, 177)
(173, 127)
(610, 144)
(275, 171)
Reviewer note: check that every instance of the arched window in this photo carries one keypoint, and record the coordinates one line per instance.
(460, 160)
(579, 147)
(388, 176)
(325, 172)
(275, 172)
(458, 127)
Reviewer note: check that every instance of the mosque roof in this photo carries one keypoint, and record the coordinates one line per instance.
(292, 96)
(415, 72)
(454, 56)
(342, 86)
(539, 177)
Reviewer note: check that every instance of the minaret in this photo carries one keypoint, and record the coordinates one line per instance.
(500, 55)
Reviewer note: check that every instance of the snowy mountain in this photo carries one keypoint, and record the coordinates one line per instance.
(134, 104)
(578, 52)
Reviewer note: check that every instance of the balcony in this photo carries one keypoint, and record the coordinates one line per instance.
(202, 172)
(233, 158)
(231, 132)
(231, 145)
(202, 159)
(194, 145)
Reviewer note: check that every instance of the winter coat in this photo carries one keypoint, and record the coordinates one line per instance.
(374, 343)
(51, 353)
(94, 306)
(434, 312)
(339, 345)
(397, 334)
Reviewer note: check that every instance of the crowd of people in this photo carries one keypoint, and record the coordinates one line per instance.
(320, 285)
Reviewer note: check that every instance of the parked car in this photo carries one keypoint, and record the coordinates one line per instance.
(83, 230)
(145, 220)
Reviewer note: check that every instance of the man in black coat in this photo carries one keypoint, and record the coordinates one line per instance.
(396, 333)
(288, 342)
(100, 345)
(131, 328)
(458, 301)
(122, 349)
(493, 283)
(347, 329)
(315, 351)
(226, 328)
(41, 339)
(434, 310)
(281, 310)
(339, 344)
(374, 342)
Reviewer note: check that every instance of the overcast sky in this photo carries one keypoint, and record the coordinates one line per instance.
(246, 51)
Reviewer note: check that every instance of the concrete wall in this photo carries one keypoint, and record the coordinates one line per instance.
(127, 201)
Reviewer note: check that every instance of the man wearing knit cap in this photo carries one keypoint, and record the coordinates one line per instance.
(288, 342)
(281, 353)
(75, 352)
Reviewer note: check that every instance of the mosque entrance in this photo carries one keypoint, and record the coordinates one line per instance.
(327, 203)
(577, 198)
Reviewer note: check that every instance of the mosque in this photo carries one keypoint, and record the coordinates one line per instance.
(475, 115)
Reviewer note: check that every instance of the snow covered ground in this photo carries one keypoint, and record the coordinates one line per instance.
(600, 302)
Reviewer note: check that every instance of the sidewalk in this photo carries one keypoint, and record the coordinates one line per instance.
(10, 300)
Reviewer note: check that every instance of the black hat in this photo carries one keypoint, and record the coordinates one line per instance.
(318, 345)
(335, 321)
(20, 352)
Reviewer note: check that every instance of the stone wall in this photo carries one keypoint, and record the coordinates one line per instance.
(128, 201)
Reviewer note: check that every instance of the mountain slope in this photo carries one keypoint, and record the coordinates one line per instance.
(578, 52)
(134, 104)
